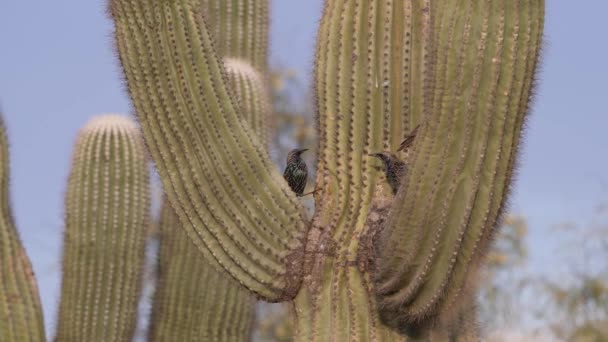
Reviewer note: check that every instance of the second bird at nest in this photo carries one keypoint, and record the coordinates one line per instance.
(395, 168)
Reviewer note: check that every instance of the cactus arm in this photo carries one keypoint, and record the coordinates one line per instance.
(193, 301)
(20, 309)
(252, 94)
(107, 209)
(225, 190)
(447, 208)
(239, 29)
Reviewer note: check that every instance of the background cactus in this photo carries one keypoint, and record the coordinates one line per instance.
(239, 28)
(107, 215)
(193, 301)
(20, 309)
(252, 93)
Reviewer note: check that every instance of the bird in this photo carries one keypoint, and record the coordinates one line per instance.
(394, 169)
(296, 172)
(407, 142)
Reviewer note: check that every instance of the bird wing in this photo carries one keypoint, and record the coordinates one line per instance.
(407, 142)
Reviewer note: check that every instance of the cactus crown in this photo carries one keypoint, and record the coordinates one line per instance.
(107, 210)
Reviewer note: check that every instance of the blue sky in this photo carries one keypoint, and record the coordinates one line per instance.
(57, 69)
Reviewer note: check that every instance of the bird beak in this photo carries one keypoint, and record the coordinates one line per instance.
(303, 150)
(376, 155)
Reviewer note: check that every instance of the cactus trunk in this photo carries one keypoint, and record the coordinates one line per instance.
(193, 300)
(20, 309)
(107, 209)
(335, 305)
(371, 60)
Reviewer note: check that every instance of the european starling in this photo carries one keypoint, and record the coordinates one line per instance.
(407, 142)
(296, 172)
(394, 169)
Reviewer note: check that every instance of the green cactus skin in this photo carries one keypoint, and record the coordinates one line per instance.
(193, 301)
(20, 309)
(224, 188)
(369, 61)
(107, 214)
(252, 94)
(448, 206)
(239, 29)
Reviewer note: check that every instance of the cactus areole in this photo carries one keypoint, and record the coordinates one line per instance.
(370, 266)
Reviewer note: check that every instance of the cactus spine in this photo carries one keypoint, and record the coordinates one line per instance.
(193, 301)
(230, 198)
(107, 209)
(20, 309)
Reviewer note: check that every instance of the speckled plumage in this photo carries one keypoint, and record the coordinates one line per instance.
(394, 169)
(296, 171)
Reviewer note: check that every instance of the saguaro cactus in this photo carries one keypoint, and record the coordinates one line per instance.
(193, 301)
(107, 210)
(20, 309)
(371, 266)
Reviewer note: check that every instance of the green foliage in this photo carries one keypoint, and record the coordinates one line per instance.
(577, 301)
(107, 214)
(568, 301)
(20, 309)
(275, 323)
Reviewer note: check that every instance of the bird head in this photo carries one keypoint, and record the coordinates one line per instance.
(295, 153)
(385, 157)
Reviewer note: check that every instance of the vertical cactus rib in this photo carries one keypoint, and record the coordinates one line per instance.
(107, 215)
(447, 209)
(20, 309)
(252, 94)
(369, 56)
(225, 190)
(193, 301)
(239, 29)
(340, 310)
